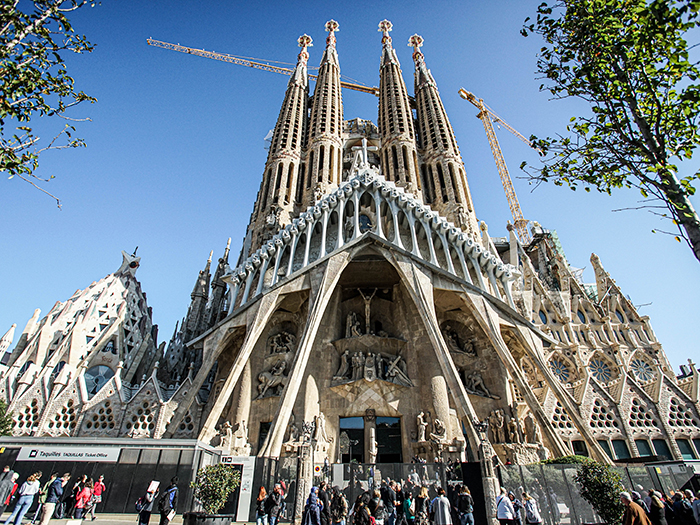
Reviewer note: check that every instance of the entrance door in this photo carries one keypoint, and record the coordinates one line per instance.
(389, 440)
(354, 428)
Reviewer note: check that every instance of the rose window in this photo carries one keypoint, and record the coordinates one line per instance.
(560, 370)
(600, 370)
(641, 369)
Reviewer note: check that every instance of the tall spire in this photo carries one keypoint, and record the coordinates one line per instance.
(275, 203)
(445, 185)
(200, 293)
(6, 340)
(324, 152)
(218, 289)
(399, 160)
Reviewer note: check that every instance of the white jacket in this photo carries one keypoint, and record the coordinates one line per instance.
(505, 508)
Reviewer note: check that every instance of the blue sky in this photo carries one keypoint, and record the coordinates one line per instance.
(176, 152)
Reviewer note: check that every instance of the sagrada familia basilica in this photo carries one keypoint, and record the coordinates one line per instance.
(370, 306)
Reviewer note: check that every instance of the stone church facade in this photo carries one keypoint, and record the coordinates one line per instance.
(369, 306)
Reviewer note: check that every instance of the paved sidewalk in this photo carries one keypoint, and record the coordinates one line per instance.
(105, 519)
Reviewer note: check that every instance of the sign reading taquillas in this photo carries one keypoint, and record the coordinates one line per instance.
(98, 454)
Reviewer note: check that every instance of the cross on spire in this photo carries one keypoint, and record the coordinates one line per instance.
(384, 27)
(415, 42)
(331, 26)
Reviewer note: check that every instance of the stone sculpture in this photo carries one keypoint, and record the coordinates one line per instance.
(320, 435)
(344, 367)
(496, 424)
(356, 366)
(282, 342)
(514, 437)
(352, 326)
(422, 426)
(273, 380)
(372, 446)
(367, 300)
(440, 432)
(453, 342)
(532, 429)
(474, 384)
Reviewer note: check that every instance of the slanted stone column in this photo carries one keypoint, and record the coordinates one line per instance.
(441, 403)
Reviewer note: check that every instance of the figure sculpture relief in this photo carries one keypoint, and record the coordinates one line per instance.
(453, 342)
(273, 380)
(422, 426)
(532, 429)
(225, 435)
(344, 366)
(282, 342)
(474, 384)
(371, 366)
(513, 430)
(367, 301)
(352, 326)
(372, 446)
(320, 429)
(496, 422)
(439, 433)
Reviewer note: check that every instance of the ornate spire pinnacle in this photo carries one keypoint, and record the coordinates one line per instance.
(331, 26)
(228, 248)
(416, 42)
(211, 254)
(384, 27)
(304, 42)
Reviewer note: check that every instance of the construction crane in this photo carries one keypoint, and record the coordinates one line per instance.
(488, 116)
(241, 61)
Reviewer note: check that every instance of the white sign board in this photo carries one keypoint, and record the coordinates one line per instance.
(244, 497)
(98, 454)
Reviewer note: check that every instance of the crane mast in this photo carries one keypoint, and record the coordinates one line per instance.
(487, 117)
(232, 59)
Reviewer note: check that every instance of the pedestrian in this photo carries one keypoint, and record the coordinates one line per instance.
(339, 507)
(532, 513)
(422, 507)
(465, 506)
(409, 510)
(273, 505)
(377, 508)
(42, 496)
(312, 509)
(505, 512)
(6, 473)
(77, 487)
(27, 491)
(260, 514)
(8, 486)
(144, 506)
(637, 498)
(634, 514)
(696, 506)
(326, 503)
(82, 500)
(516, 508)
(440, 509)
(360, 512)
(53, 497)
(657, 509)
(97, 490)
(167, 504)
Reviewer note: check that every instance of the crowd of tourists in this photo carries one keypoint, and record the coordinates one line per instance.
(653, 507)
(390, 503)
(57, 498)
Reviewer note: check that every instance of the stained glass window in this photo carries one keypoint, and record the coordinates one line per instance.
(96, 377)
(560, 370)
(641, 369)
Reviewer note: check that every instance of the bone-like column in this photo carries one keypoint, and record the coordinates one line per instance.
(321, 298)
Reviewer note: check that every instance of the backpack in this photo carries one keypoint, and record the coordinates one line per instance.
(140, 504)
(165, 501)
(531, 514)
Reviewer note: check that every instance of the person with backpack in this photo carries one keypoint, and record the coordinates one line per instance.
(360, 512)
(422, 507)
(83, 500)
(339, 507)
(377, 508)
(682, 510)
(42, 496)
(144, 506)
(167, 504)
(260, 513)
(53, 497)
(27, 491)
(532, 513)
(273, 505)
(312, 509)
(465, 506)
(504, 509)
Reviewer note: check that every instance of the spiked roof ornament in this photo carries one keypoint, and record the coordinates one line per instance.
(331, 26)
(416, 42)
(385, 27)
(304, 42)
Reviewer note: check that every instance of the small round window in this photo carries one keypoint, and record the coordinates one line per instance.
(96, 378)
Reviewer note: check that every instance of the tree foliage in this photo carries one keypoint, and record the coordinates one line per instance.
(214, 484)
(566, 460)
(34, 80)
(601, 486)
(6, 422)
(630, 61)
